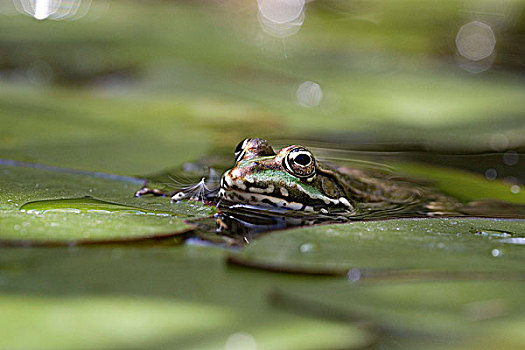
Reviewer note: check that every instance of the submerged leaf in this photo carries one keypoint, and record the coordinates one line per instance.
(463, 185)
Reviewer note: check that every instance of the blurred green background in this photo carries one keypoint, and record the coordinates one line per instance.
(134, 88)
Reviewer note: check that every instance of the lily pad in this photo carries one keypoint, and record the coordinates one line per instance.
(48, 205)
(380, 248)
(453, 314)
(469, 275)
(179, 297)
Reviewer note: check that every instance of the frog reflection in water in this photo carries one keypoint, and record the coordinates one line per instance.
(293, 179)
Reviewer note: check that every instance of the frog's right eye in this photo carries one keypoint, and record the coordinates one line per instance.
(241, 149)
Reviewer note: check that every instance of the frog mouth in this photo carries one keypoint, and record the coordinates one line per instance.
(263, 200)
(236, 191)
(268, 195)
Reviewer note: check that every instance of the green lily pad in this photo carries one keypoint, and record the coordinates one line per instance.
(179, 80)
(458, 314)
(469, 274)
(85, 228)
(179, 297)
(419, 246)
(47, 205)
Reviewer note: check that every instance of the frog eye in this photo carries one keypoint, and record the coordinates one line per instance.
(240, 149)
(300, 162)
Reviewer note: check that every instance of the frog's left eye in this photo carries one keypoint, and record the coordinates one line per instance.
(300, 162)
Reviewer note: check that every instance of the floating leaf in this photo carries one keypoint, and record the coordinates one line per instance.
(44, 205)
(178, 297)
(469, 276)
(425, 245)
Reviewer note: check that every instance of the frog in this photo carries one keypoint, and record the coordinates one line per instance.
(293, 179)
(293, 187)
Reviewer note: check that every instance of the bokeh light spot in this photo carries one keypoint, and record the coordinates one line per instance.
(53, 9)
(495, 252)
(309, 94)
(280, 11)
(499, 142)
(240, 341)
(491, 174)
(515, 189)
(511, 158)
(281, 18)
(475, 41)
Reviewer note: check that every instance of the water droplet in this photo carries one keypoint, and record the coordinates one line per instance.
(332, 233)
(308, 247)
(353, 275)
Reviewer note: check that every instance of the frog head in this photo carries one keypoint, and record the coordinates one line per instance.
(289, 179)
